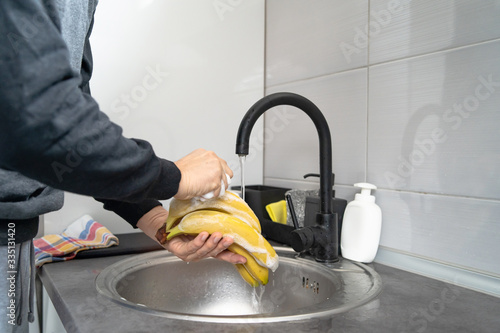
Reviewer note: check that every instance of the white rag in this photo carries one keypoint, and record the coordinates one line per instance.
(210, 195)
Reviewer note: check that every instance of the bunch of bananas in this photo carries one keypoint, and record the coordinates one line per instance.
(231, 216)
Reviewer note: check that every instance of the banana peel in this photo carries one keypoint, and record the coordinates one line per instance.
(229, 203)
(242, 234)
(258, 272)
(246, 275)
(231, 216)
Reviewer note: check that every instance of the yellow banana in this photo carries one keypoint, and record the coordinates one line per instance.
(242, 234)
(246, 275)
(231, 216)
(258, 272)
(229, 203)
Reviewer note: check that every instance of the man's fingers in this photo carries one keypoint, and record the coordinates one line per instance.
(202, 172)
(205, 245)
(222, 245)
(198, 242)
(186, 246)
(231, 257)
(227, 169)
(207, 248)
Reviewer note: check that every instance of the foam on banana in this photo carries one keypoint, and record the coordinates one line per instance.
(229, 203)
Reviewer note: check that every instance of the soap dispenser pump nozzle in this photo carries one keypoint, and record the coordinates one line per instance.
(366, 189)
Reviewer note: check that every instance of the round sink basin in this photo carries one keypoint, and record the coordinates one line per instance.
(212, 291)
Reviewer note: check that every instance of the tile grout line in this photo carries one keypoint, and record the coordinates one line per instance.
(264, 92)
(367, 92)
(318, 76)
(288, 180)
(368, 65)
(492, 40)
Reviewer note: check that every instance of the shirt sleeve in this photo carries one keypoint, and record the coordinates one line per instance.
(52, 131)
(130, 211)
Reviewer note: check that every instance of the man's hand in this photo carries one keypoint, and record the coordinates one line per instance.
(201, 172)
(189, 248)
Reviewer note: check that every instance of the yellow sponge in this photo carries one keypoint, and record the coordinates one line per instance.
(277, 211)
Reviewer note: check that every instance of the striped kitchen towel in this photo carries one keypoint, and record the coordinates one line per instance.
(83, 234)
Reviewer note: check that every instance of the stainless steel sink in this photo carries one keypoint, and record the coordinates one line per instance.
(212, 291)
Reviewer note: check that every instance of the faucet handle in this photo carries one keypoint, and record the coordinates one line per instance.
(307, 175)
(288, 198)
(302, 239)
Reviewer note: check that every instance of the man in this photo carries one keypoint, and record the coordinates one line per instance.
(53, 136)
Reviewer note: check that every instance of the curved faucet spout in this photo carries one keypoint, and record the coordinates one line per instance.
(325, 141)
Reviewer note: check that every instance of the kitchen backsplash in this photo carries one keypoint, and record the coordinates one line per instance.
(411, 91)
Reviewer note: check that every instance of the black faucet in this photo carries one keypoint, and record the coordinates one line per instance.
(322, 239)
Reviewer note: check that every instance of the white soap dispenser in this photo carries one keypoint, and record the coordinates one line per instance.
(361, 227)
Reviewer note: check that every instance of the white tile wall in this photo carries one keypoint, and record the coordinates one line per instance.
(434, 121)
(404, 28)
(298, 47)
(457, 230)
(433, 74)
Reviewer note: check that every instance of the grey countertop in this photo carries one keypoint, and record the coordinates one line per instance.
(408, 303)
